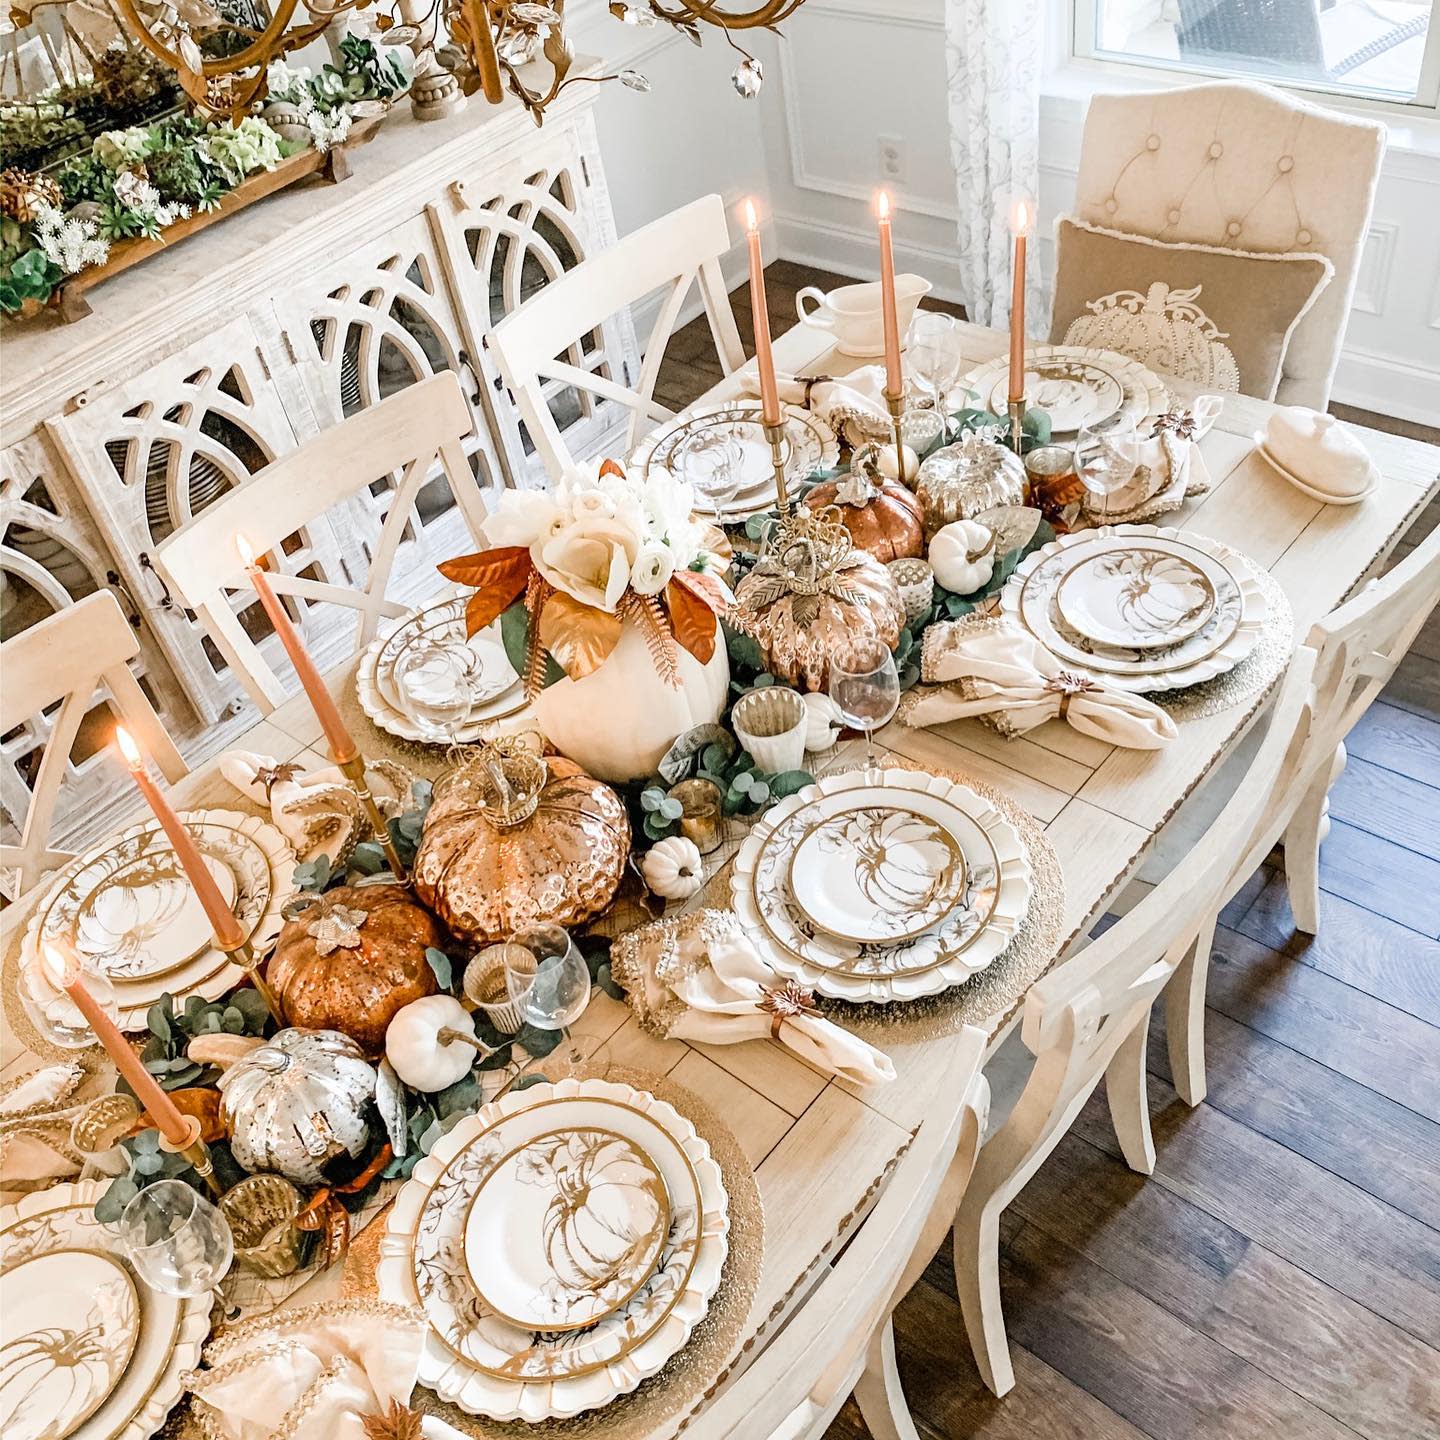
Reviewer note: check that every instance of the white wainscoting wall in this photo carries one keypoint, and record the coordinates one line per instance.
(851, 77)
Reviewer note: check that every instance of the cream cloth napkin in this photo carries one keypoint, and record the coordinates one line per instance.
(852, 406)
(1170, 468)
(697, 977)
(984, 665)
(312, 1373)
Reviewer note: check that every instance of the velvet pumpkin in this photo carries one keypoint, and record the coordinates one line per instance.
(353, 959)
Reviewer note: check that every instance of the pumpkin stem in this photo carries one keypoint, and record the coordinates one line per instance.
(449, 1033)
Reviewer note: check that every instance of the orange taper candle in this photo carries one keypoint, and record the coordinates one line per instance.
(894, 375)
(64, 969)
(764, 357)
(342, 747)
(229, 933)
(1021, 218)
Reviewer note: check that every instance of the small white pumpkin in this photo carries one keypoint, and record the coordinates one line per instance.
(673, 868)
(823, 723)
(962, 555)
(431, 1042)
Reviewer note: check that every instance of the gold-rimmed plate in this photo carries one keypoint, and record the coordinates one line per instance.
(1073, 392)
(565, 1229)
(1136, 597)
(877, 875)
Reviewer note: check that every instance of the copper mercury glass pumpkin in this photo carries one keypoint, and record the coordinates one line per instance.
(549, 845)
(884, 519)
(352, 959)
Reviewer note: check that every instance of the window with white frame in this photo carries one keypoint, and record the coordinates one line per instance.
(1387, 50)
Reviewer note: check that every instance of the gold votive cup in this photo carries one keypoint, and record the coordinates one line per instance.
(262, 1211)
(1055, 488)
(700, 818)
(485, 988)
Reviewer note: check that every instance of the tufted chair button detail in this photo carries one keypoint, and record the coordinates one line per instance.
(1111, 205)
(1285, 164)
(1303, 237)
(1216, 150)
(1233, 229)
(1153, 143)
(1173, 217)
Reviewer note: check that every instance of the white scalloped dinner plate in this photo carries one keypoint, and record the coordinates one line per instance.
(993, 906)
(476, 1361)
(1222, 643)
(172, 1331)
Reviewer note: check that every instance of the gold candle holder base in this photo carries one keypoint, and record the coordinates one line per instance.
(1016, 409)
(354, 771)
(197, 1153)
(779, 443)
(895, 404)
(244, 956)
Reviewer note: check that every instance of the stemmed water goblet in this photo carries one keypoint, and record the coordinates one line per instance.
(932, 351)
(716, 470)
(549, 983)
(436, 679)
(865, 687)
(1105, 457)
(178, 1242)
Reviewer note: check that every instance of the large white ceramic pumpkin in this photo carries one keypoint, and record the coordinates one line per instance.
(620, 719)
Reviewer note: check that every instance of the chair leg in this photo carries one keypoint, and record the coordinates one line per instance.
(1185, 1016)
(1129, 1108)
(977, 1279)
(878, 1391)
(1308, 827)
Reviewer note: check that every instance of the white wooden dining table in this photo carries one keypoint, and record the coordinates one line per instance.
(818, 1146)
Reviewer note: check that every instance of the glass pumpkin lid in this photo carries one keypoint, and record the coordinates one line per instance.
(503, 780)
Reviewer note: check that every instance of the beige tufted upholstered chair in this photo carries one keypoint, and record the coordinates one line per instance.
(1249, 168)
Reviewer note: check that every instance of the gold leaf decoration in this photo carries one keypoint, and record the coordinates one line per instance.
(398, 1422)
(648, 615)
(499, 577)
(537, 591)
(692, 615)
(580, 637)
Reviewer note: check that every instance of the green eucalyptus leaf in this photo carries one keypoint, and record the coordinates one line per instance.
(606, 981)
(671, 809)
(157, 1018)
(789, 782)
(368, 858)
(652, 799)
(536, 1041)
(526, 1081)
(439, 962)
(118, 1194)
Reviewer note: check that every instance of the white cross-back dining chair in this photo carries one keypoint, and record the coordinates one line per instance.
(1242, 166)
(1357, 648)
(406, 433)
(671, 254)
(840, 1339)
(1088, 1020)
(67, 658)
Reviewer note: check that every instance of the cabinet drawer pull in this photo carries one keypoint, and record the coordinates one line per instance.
(132, 610)
(167, 601)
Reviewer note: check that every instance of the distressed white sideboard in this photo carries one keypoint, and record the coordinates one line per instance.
(202, 365)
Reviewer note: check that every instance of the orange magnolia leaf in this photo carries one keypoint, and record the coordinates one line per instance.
(612, 467)
(499, 577)
(691, 617)
(708, 587)
(580, 637)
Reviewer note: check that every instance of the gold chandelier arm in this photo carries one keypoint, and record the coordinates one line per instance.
(771, 12)
(259, 52)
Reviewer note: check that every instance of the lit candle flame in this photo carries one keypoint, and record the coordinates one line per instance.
(128, 748)
(882, 204)
(60, 967)
(247, 551)
(1022, 217)
(751, 223)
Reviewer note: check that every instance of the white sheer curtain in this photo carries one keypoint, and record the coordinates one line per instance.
(993, 54)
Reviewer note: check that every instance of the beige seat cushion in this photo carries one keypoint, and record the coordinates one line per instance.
(1221, 318)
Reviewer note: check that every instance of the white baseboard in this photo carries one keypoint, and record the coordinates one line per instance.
(849, 250)
(1388, 386)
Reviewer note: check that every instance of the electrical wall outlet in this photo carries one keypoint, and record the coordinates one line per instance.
(892, 155)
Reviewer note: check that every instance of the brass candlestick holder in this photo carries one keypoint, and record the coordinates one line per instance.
(895, 404)
(354, 771)
(1016, 409)
(197, 1154)
(779, 458)
(244, 956)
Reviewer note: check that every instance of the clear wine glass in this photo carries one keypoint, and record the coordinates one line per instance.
(549, 983)
(178, 1242)
(865, 687)
(436, 680)
(1105, 457)
(716, 470)
(932, 350)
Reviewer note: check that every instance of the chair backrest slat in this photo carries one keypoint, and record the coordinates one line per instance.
(538, 341)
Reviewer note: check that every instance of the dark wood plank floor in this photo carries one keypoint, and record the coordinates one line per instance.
(1279, 1275)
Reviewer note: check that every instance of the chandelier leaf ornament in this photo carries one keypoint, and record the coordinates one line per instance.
(220, 49)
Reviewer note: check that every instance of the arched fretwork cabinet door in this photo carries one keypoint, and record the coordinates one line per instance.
(376, 320)
(154, 451)
(508, 230)
(51, 556)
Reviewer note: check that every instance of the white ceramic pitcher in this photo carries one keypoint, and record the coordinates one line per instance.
(853, 313)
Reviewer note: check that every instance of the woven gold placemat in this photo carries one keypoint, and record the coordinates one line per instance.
(662, 1402)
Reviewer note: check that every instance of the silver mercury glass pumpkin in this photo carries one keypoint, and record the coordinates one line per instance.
(297, 1102)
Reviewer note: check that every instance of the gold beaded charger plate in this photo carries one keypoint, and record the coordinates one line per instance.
(134, 1395)
(499, 693)
(1135, 598)
(877, 875)
(1227, 637)
(987, 913)
(1144, 393)
(478, 1362)
(682, 447)
(125, 907)
(566, 1228)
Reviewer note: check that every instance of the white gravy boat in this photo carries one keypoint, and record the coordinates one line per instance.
(853, 313)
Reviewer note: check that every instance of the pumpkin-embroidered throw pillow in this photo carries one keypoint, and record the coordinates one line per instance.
(1221, 318)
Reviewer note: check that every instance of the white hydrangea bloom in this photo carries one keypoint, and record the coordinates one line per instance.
(69, 242)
